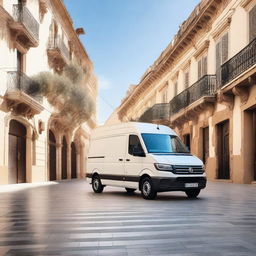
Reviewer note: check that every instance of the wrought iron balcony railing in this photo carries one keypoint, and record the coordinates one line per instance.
(158, 112)
(56, 43)
(23, 15)
(18, 81)
(238, 64)
(205, 86)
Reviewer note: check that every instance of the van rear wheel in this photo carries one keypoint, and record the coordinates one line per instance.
(130, 190)
(192, 193)
(147, 190)
(96, 184)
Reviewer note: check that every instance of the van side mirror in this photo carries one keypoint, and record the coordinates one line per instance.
(137, 151)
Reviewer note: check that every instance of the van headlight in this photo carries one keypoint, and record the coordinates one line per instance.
(163, 167)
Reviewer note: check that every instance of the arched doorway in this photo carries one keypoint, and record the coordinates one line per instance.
(73, 161)
(64, 171)
(52, 156)
(17, 152)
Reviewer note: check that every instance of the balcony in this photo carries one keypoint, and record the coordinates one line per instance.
(20, 96)
(194, 98)
(24, 26)
(159, 113)
(58, 53)
(238, 64)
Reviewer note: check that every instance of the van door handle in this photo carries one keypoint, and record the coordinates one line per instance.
(120, 159)
(128, 160)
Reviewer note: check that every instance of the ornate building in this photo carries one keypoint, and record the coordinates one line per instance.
(43, 135)
(204, 86)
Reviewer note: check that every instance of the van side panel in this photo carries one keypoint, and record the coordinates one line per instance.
(110, 162)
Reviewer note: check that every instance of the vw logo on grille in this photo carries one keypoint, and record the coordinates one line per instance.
(190, 170)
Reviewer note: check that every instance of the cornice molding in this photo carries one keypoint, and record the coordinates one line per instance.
(198, 21)
(221, 28)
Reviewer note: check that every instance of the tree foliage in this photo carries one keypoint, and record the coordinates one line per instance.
(66, 92)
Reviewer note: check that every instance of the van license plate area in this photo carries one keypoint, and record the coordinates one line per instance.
(191, 185)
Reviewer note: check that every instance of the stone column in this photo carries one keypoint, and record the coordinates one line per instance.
(58, 157)
(69, 159)
(82, 160)
(29, 177)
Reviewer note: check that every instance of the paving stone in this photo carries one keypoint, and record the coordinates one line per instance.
(67, 218)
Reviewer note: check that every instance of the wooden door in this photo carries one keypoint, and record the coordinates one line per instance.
(254, 142)
(17, 153)
(64, 171)
(52, 156)
(223, 150)
(13, 159)
(205, 144)
(73, 161)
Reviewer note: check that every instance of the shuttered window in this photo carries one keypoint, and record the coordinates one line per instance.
(202, 67)
(175, 88)
(221, 54)
(186, 79)
(224, 49)
(252, 23)
(199, 69)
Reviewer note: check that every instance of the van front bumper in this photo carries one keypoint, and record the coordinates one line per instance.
(178, 183)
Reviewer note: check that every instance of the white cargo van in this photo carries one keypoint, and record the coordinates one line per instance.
(143, 156)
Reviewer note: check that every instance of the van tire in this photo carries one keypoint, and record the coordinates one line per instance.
(96, 184)
(130, 190)
(192, 193)
(147, 190)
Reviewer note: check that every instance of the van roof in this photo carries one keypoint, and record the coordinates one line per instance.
(129, 127)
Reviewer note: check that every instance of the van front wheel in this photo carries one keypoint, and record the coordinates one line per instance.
(192, 193)
(147, 189)
(96, 184)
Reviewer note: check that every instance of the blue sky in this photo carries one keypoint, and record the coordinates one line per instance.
(123, 38)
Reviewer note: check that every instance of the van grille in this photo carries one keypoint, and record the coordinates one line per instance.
(180, 169)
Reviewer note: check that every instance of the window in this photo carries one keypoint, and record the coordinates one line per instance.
(186, 139)
(186, 79)
(164, 95)
(163, 143)
(221, 54)
(20, 62)
(202, 66)
(175, 88)
(252, 23)
(134, 142)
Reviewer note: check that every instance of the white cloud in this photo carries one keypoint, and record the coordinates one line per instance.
(104, 83)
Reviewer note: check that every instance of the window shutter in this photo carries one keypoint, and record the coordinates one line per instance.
(224, 42)
(175, 88)
(204, 68)
(186, 79)
(199, 68)
(218, 61)
(252, 23)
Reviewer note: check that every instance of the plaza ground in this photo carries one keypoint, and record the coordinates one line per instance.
(67, 218)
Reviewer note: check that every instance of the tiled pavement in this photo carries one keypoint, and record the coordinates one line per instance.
(67, 218)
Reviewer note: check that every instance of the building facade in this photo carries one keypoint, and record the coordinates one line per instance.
(39, 141)
(203, 85)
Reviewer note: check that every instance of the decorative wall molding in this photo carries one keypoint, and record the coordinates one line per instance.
(200, 50)
(223, 27)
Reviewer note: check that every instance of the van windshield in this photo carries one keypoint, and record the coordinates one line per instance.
(163, 143)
